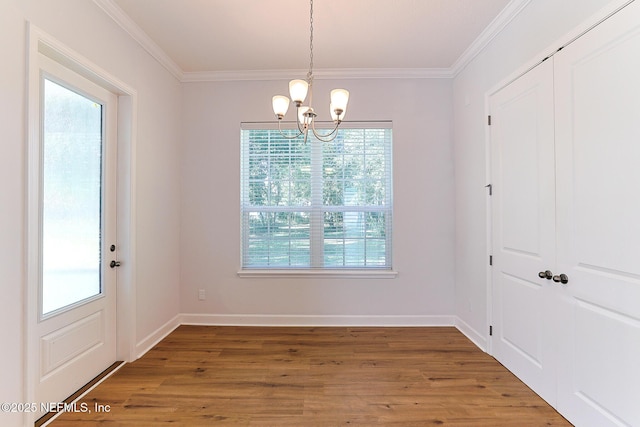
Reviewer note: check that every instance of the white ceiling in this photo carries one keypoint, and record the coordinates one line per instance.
(224, 36)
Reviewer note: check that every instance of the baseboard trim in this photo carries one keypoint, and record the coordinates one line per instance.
(308, 321)
(158, 335)
(475, 337)
(312, 320)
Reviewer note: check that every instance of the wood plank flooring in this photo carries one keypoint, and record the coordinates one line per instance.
(273, 376)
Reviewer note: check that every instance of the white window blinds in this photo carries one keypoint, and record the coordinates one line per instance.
(316, 205)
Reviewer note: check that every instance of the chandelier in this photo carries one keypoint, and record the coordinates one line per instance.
(298, 90)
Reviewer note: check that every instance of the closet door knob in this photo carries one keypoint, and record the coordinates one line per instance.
(545, 275)
(563, 278)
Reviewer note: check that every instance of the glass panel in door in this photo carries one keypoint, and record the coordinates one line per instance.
(72, 194)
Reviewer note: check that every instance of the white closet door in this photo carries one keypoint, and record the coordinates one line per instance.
(523, 222)
(598, 220)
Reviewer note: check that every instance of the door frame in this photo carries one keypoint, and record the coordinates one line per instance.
(39, 42)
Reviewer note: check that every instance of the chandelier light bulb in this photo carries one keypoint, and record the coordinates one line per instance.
(280, 106)
(298, 91)
(334, 115)
(303, 117)
(339, 100)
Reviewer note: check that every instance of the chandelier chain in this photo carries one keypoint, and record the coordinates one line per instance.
(310, 73)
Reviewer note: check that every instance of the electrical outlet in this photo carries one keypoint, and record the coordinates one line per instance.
(201, 295)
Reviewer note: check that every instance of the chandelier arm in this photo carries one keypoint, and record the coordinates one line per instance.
(285, 136)
(326, 137)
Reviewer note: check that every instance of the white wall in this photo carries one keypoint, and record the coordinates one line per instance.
(534, 30)
(83, 27)
(423, 204)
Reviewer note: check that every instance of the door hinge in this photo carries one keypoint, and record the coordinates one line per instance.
(489, 120)
(490, 259)
(490, 187)
(490, 330)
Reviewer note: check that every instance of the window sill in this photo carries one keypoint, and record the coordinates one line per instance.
(324, 274)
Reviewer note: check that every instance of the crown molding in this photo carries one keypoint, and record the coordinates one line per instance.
(320, 74)
(126, 23)
(513, 8)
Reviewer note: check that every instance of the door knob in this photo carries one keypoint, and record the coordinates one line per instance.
(114, 264)
(545, 275)
(563, 278)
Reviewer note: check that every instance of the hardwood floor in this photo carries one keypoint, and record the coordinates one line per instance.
(272, 376)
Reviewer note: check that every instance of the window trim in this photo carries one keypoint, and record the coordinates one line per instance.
(344, 273)
(386, 272)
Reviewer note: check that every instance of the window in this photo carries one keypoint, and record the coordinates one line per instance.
(316, 205)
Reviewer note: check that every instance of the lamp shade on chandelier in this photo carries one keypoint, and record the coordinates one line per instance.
(298, 91)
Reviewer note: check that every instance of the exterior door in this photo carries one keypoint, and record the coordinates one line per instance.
(74, 323)
(523, 222)
(598, 211)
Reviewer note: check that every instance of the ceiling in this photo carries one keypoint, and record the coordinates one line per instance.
(224, 36)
